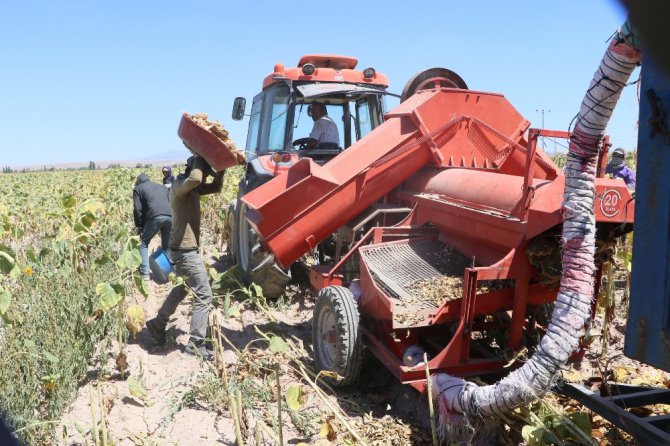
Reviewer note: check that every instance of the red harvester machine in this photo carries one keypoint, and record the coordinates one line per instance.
(450, 192)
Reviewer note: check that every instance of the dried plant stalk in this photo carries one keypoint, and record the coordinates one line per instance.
(433, 424)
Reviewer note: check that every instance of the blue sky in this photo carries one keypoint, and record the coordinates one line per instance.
(109, 80)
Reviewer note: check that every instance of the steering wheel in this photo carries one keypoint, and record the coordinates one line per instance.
(301, 143)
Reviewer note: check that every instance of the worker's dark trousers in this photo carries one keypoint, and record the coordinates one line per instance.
(161, 223)
(189, 265)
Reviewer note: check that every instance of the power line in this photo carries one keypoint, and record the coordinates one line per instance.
(542, 110)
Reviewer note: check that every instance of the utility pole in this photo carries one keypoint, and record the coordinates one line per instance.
(542, 110)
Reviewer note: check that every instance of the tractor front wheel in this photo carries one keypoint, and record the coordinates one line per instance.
(336, 335)
(230, 234)
(256, 264)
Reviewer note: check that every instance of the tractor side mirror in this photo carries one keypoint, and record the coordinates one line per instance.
(238, 108)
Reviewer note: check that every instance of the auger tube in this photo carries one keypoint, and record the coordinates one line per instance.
(467, 403)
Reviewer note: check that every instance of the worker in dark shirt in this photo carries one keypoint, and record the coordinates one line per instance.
(168, 178)
(152, 213)
(7, 438)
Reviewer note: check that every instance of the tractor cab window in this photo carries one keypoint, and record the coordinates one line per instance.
(303, 123)
(354, 117)
(369, 114)
(365, 121)
(273, 117)
(254, 125)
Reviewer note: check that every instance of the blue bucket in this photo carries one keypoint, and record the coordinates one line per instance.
(161, 266)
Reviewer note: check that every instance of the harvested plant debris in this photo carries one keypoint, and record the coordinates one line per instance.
(217, 129)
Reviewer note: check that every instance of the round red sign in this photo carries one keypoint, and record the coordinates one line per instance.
(610, 202)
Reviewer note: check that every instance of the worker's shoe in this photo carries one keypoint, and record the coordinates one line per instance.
(198, 350)
(155, 331)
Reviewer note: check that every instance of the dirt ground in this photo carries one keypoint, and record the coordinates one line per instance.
(167, 410)
(170, 398)
(167, 375)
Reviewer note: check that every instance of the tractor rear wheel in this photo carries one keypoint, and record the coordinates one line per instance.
(336, 335)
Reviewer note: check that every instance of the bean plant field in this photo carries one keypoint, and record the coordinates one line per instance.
(77, 367)
(68, 273)
(62, 233)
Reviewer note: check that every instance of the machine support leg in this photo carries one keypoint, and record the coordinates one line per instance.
(521, 212)
(519, 310)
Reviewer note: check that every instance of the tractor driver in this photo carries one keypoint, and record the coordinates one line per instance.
(324, 134)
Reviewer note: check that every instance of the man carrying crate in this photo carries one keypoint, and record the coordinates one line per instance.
(184, 252)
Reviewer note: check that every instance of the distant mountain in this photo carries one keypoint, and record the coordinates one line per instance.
(180, 154)
(168, 157)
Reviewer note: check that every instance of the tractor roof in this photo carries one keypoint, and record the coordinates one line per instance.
(327, 68)
(329, 61)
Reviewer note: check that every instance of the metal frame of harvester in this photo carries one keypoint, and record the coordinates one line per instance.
(464, 170)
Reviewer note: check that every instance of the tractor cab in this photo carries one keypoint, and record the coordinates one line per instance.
(280, 114)
(279, 117)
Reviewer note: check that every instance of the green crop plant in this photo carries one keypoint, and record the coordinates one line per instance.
(215, 206)
(53, 236)
(546, 423)
(59, 235)
(630, 159)
(559, 160)
(68, 260)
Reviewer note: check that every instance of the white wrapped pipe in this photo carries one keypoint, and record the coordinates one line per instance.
(572, 310)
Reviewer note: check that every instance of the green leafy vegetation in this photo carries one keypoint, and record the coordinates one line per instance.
(631, 159)
(68, 262)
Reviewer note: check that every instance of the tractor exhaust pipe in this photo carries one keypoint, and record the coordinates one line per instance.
(464, 404)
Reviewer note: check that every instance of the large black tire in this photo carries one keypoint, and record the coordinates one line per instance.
(431, 78)
(252, 260)
(336, 337)
(229, 233)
